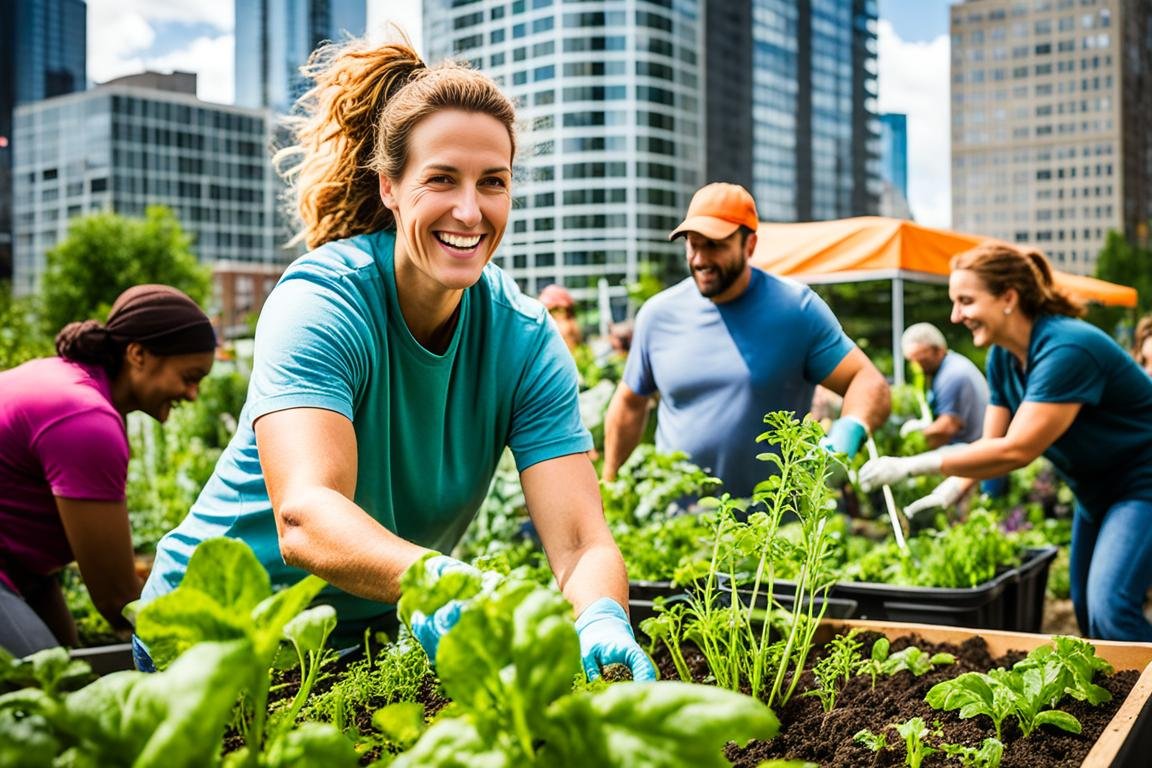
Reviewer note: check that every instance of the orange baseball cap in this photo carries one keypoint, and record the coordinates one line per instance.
(717, 210)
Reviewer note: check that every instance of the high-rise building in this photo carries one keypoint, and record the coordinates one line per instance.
(627, 107)
(894, 165)
(612, 132)
(790, 98)
(1050, 109)
(894, 150)
(43, 45)
(274, 38)
(122, 147)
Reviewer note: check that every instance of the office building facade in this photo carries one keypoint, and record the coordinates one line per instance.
(790, 104)
(611, 139)
(43, 49)
(123, 148)
(628, 106)
(274, 38)
(1050, 105)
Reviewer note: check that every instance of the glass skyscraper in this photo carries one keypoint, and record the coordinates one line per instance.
(274, 38)
(612, 131)
(791, 105)
(43, 49)
(628, 106)
(121, 147)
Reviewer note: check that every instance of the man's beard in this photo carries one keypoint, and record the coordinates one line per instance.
(726, 275)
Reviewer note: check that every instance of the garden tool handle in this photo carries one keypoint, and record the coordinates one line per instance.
(889, 502)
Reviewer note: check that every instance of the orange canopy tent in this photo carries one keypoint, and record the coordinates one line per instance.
(878, 248)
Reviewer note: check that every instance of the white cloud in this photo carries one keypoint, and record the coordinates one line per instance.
(914, 79)
(121, 31)
(405, 13)
(211, 59)
(218, 13)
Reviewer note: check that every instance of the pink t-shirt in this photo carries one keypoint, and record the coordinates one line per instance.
(60, 435)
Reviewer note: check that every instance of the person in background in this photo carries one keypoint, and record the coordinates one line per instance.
(64, 457)
(562, 307)
(1142, 344)
(1064, 389)
(729, 344)
(958, 395)
(394, 363)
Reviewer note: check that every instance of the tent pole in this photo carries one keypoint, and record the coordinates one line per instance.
(897, 330)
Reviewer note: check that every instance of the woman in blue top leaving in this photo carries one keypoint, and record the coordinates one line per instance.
(1063, 389)
(394, 364)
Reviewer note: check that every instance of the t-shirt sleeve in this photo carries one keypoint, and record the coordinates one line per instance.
(546, 415)
(1066, 373)
(827, 342)
(638, 366)
(85, 456)
(996, 371)
(953, 396)
(311, 350)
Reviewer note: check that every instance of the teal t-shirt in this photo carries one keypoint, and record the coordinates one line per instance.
(1106, 455)
(430, 428)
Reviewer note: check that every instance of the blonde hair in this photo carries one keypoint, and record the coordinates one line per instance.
(1001, 266)
(355, 125)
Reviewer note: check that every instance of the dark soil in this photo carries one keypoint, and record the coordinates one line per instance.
(810, 734)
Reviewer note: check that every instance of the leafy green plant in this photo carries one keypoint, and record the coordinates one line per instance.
(508, 666)
(651, 486)
(52, 671)
(915, 734)
(877, 742)
(987, 755)
(226, 595)
(916, 746)
(1030, 690)
(834, 670)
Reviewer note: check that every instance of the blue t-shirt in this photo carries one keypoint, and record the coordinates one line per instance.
(719, 368)
(1105, 456)
(430, 428)
(959, 389)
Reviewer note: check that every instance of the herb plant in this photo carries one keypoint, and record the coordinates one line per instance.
(834, 670)
(508, 666)
(745, 637)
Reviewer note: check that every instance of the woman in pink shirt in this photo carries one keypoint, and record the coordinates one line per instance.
(64, 457)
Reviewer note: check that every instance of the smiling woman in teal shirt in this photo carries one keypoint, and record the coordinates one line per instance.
(394, 364)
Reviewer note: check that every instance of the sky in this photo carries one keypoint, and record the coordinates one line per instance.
(127, 36)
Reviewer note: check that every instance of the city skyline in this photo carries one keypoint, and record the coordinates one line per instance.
(127, 36)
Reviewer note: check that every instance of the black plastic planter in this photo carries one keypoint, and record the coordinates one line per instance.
(1013, 600)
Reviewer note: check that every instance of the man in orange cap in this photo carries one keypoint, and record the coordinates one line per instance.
(730, 344)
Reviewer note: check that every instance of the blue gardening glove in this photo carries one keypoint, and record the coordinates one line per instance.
(428, 630)
(846, 436)
(606, 638)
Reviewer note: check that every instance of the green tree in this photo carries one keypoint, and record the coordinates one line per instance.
(20, 337)
(1122, 261)
(106, 253)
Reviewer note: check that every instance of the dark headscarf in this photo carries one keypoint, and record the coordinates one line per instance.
(161, 318)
